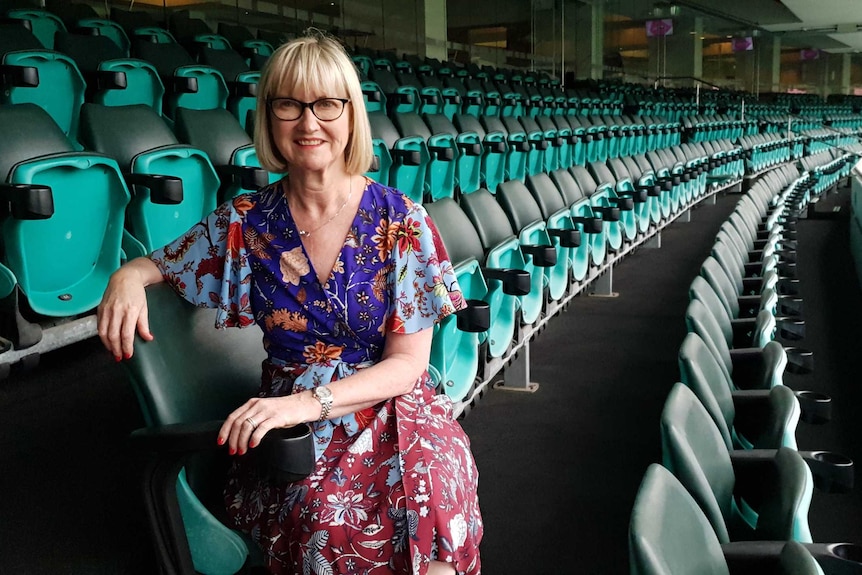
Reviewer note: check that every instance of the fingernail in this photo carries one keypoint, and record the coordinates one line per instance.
(242, 452)
(118, 358)
(127, 355)
(231, 451)
(221, 440)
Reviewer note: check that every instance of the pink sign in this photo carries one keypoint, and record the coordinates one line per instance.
(663, 27)
(742, 44)
(809, 54)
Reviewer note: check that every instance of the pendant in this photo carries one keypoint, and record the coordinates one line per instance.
(302, 233)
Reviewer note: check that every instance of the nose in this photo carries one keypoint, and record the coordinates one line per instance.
(307, 120)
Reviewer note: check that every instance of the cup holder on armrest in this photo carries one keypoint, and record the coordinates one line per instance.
(816, 407)
(288, 453)
(474, 318)
(543, 256)
(591, 225)
(833, 472)
(515, 282)
(799, 361)
(568, 238)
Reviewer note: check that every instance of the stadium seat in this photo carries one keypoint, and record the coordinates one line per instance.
(540, 251)
(112, 78)
(456, 347)
(34, 74)
(587, 220)
(765, 420)
(764, 498)
(219, 135)
(187, 380)
(62, 234)
(667, 525)
(174, 185)
(408, 156)
(504, 267)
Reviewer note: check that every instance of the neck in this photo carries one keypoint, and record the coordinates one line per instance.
(316, 193)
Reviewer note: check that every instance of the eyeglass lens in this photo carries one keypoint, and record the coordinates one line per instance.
(325, 109)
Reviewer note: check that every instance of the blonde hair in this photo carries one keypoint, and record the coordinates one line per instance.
(317, 62)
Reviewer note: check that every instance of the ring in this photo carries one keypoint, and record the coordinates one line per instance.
(251, 421)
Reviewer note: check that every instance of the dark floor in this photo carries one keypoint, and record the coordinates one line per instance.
(559, 468)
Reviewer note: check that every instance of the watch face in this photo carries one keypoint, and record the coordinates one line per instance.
(323, 392)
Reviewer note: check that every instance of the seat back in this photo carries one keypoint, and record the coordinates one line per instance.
(694, 451)
(703, 374)
(86, 227)
(192, 372)
(56, 84)
(666, 525)
(138, 138)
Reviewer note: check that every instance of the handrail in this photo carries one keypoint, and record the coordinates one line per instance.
(701, 80)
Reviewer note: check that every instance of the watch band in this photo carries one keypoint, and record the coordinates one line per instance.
(324, 396)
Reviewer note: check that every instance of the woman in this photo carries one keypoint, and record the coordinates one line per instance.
(346, 278)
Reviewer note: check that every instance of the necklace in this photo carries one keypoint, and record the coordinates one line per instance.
(307, 233)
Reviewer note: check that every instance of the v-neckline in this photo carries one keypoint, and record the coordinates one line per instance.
(298, 238)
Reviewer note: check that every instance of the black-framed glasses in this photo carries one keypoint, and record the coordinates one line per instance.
(324, 109)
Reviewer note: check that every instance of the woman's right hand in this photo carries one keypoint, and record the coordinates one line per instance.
(123, 309)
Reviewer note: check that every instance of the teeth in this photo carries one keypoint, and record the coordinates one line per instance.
(310, 142)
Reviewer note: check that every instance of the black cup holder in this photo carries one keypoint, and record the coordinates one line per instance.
(288, 453)
(833, 472)
(475, 318)
(816, 407)
(847, 551)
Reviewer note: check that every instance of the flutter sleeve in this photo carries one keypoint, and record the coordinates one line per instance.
(208, 265)
(424, 286)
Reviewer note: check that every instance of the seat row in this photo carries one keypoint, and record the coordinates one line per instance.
(733, 492)
(429, 156)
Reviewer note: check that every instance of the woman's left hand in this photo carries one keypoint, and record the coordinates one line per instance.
(245, 427)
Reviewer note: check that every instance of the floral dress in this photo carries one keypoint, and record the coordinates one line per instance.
(395, 485)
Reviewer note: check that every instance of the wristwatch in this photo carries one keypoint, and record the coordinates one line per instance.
(324, 395)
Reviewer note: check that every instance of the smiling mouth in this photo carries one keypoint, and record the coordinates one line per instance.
(309, 142)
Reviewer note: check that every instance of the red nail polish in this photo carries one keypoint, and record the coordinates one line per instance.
(118, 358)
(127, 356)
(231, 451)
(220, 441)
(242, 452)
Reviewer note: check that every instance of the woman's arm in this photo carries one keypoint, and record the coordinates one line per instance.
(405, 359)
(124, 306)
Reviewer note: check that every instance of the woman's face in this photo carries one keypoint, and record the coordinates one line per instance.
(308, 143)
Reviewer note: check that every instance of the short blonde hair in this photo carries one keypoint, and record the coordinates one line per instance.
(317, 62)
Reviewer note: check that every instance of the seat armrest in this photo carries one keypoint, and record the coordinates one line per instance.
(106, 80)
(182, 85)
(27, 201)
(515, 282)
(475, 318)
(19, 76)
(609, 213)
(542, 255)
(250, 178)
(764, 557)
(569, 238)
(591, 225)
(163, 189)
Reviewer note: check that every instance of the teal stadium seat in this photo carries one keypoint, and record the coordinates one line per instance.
(667, 524)
(504, 268)
(63, 236)
(456, 349)
(540, 250)
(220, 136)
(494, 150)
(407, 156)
(468, 160)
(187, 380)
(174, 185)
(756, 498)
(112, 78)
(34, 74)
(767, 419)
